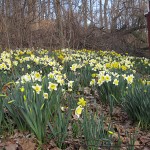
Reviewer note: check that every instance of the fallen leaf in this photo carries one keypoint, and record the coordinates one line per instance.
(11, 146)
(127, 124)
(71, 147)
(116, 111)
(5, 88)
(52, 143)
(144, 139)
(137, 145)
(146, 148)
(27, 144)
(82, 148)
(55, 148)
(87, 90)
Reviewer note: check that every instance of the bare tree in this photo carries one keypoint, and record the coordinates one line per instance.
(93, 24)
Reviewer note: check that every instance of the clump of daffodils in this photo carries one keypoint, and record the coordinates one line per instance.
(81, 104)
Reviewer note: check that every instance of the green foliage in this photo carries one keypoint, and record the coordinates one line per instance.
(109, 89)
(142, 65)
(132, 138)
(76, 129)
(59, 127)
(94, 132)
(1, 110)
(85, 75)
(31, 110)
(136, 103)
(111, 94)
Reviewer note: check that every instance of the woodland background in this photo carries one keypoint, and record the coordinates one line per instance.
(92, 24)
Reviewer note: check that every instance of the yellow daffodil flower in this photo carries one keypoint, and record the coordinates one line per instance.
(37, 88)
(115, 82)
(81, 102)
(78, 111)
(110, 132)
(52, 86)
(37, 76)
(129, 79)
(45, 95)
(92, 82)
(22, 89)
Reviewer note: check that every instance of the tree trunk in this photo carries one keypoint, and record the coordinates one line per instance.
(101, 14)
(57, 6)
(84, 10)
(105, 14)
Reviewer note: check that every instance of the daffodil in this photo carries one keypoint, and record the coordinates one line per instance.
(70, 89)
(25, 78)
(74, 67)
(148, 82)
(64, 108)
(15, 63)
(110, 132)
(61, 81)
(61, 57)
(51, 75)
(22, 89)
(28, 66)
(100, 82)
(129, 79)
(52, 86)
(123, 68)
(115, 64)
(37, 76)
(124, 76)
(70, 84)
(115, 82)
(37, 88)
(51, 63)
(94, 75)
(92, 82)
(45, 95)
(24, 97)
(78, 111)
(81, 102)
(3, 66)
(107, 78)
(108, 65)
